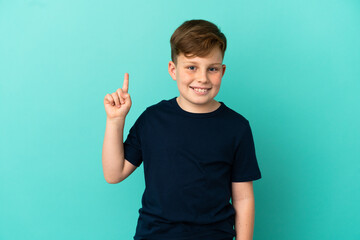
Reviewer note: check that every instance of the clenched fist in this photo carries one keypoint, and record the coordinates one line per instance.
(117, 104)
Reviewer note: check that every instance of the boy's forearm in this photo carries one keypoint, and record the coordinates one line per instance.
(244, 218)
(113, 150)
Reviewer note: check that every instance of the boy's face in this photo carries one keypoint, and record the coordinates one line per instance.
(198, 72)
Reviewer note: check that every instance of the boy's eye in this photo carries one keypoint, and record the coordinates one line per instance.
(213, 69)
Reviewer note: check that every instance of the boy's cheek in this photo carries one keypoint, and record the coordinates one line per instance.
(185, 78)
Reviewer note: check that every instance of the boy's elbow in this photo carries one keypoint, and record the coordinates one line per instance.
(113, 180)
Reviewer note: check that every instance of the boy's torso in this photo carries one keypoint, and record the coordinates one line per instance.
(187, 166)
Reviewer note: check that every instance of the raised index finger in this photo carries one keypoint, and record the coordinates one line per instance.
(126, 83)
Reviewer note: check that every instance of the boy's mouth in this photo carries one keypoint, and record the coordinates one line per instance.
(200, 90)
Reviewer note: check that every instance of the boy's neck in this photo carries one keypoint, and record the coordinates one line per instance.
(198, 108)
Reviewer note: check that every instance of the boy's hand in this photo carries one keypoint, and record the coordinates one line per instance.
(117, 104)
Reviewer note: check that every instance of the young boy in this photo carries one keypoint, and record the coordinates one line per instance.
(197, 152)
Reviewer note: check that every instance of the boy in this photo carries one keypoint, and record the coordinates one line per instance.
(197, 152)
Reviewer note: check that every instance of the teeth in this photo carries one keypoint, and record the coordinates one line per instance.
(200, 90)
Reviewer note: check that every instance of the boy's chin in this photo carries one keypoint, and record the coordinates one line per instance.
(202, 101)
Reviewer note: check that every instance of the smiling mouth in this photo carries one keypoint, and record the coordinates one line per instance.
(201, 90)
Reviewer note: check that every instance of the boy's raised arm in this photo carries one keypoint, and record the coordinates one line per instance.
(117, 106)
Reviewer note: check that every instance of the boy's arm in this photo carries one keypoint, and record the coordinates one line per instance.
(117, 106)
(244, 204)
(115, 168)
(113, 151)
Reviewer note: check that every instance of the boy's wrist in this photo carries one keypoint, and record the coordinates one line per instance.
(115, 121)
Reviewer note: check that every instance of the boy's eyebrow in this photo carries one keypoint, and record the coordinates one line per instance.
(209, 64)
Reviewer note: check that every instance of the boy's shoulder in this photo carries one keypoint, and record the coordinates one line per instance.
(160, 105)
(236, 120)
(156, 108)
(236, 115)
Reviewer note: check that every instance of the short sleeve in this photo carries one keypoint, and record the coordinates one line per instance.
(245, 166)
(132, 144)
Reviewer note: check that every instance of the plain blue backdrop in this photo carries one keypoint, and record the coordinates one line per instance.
(292, 71)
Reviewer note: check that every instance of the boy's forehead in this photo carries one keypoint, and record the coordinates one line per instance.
(202, 61)
(209, 59)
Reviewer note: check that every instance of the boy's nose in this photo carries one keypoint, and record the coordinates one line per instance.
(202, 77)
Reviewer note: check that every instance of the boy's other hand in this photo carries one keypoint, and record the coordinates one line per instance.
(117, 104)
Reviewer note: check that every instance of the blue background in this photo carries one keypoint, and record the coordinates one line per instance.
(293, 70)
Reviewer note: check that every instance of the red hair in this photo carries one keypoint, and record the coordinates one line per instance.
(196, 38)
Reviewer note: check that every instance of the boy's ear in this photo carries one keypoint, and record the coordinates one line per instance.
(172, 70)
(223, 69)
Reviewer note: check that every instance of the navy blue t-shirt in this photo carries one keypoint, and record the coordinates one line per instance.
(190, 160)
